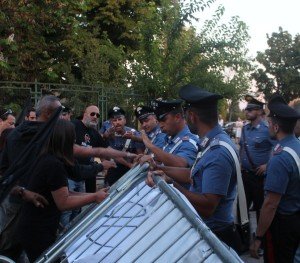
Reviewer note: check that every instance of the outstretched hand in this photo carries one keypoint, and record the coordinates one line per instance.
(101, 195)
(146, 140)
(108, 164)
(149, 180)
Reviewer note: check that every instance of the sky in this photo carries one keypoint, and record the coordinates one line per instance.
(261, 16)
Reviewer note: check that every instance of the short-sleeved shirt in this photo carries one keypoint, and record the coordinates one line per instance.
(259, 145)
(283, 177)
(87, 137)
(157, 137)
(50, 174)
(183, 144)
(118, 142)
(215, 173)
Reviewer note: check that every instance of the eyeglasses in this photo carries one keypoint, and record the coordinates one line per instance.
(92, 114)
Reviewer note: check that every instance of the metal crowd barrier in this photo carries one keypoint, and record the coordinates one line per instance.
(137, 223)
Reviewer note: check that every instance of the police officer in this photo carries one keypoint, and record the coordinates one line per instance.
(214, 175)
(255, 149)
(279, 218)
(149, 124)
(180, 146)
(119, 137)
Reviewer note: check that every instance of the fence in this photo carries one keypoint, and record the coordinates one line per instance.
(77, 97)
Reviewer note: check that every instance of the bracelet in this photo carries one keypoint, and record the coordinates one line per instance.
(259, 238)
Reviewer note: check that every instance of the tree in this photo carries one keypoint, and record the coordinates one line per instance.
(279, 69)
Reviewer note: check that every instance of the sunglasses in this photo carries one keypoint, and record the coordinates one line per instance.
(92, 114)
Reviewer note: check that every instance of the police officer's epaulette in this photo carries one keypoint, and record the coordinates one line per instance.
(214, 142)
(277, 149)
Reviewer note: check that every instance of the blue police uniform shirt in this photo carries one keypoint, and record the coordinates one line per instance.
(105, 126)
(118, 142)
(215, 173)
(186, 145)
(157, 137)
(282, 176)
(259, 145)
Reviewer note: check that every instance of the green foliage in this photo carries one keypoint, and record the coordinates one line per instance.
(129, 46)
(280, 66)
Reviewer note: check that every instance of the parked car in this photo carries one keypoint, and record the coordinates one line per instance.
(230, 129)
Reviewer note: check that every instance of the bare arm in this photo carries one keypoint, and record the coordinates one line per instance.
(100, 152)
(164, 157)
(266, 217)
(205, 204)
(65, 201)
(179, 174)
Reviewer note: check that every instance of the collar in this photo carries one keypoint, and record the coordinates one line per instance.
(211, 134)
(287, 138)
(154, 132)
(249, 126)
(179, 135)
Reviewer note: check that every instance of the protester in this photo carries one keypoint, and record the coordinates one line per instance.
(16, 143)
(30, 115)
(279, 221)
(49, 179)
(7, 120)
(88, 136)
(66, 114)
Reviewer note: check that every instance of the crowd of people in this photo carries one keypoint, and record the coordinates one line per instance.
(183, 142)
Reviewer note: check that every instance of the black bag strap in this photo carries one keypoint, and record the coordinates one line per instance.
(245, 145)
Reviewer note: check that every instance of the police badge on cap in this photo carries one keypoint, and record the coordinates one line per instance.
(115, 111)
(142, 112)
(253, 104)
(163, 107)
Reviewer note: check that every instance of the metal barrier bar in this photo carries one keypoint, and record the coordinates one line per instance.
(225, 255)
(175, 241)
(99, 211)
(155, 240)
(131, 232)
(111, 216)
(163, 216)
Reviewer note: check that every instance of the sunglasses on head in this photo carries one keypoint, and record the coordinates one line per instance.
(9, 111)
(92, 114)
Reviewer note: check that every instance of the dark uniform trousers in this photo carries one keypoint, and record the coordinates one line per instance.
(282, 239)
(254, 190)
(230, 236)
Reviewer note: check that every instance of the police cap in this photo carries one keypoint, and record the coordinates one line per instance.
(115, 111)
(163, 107)
(279, 109)
(142, 112)
(252, 103)
(197, 97)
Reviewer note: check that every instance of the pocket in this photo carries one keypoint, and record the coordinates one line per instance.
(261, 143)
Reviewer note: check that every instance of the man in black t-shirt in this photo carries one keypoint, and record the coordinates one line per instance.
(88, 136)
